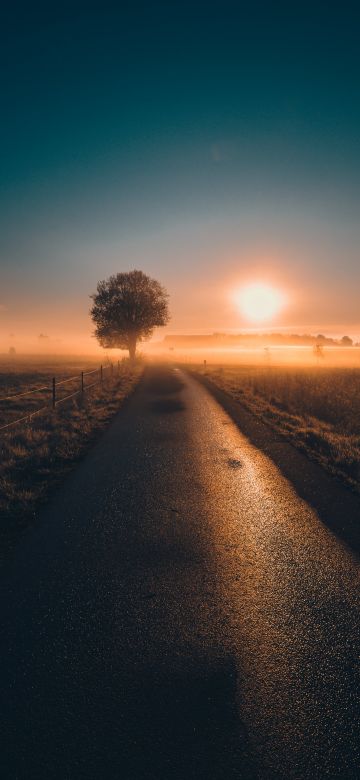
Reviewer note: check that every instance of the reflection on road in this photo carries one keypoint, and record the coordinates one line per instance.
(290, 592)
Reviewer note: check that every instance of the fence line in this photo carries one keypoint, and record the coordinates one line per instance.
(26, 418)
(52, 391)
(71, 395)
(21, 395)
(71, 379)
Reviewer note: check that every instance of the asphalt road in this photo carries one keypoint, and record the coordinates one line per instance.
(179, 612)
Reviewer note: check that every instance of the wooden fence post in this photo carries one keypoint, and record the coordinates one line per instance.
(101, 373)
(82, 381)
(53, 392)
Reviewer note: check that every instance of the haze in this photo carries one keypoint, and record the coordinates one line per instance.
(212, 147)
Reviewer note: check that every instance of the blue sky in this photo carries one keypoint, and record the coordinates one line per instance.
(207, 144)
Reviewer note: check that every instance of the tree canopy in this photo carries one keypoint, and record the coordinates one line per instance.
(126, 309)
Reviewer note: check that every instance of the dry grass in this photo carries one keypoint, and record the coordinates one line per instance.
(317, 409)
(34, 456)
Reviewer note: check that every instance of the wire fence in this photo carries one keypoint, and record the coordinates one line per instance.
(51, 395)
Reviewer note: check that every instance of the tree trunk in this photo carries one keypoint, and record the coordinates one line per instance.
(132, 347)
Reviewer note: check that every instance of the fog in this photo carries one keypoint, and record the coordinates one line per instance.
(345, 357)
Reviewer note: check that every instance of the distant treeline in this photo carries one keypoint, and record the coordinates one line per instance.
(254, 340)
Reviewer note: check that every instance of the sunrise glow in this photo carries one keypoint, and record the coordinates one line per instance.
(259, 302)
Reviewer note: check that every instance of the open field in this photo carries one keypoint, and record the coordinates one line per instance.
(35, 454)
(316, 408)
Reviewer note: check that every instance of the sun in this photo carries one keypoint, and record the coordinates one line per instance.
(259, 302)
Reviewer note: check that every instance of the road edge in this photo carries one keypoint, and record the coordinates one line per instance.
(337, 507)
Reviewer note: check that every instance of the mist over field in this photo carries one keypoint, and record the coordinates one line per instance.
(276, 348)
(265, 353)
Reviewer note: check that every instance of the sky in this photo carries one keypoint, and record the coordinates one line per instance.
(211, 145)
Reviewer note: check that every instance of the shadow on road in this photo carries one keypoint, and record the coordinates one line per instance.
(183, 723)
(166, 406)
(162, 382)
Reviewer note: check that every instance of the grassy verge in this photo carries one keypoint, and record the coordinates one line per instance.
(318, 410)
(35, 456)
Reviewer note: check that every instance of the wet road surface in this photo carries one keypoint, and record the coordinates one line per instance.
(179, 612)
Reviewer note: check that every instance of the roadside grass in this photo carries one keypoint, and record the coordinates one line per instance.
(35, 456)
(317, 409)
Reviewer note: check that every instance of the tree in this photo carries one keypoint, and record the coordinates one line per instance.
(127, 307)
(346, 341)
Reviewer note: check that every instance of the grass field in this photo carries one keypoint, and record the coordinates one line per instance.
(317, 409)
(35, 455)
